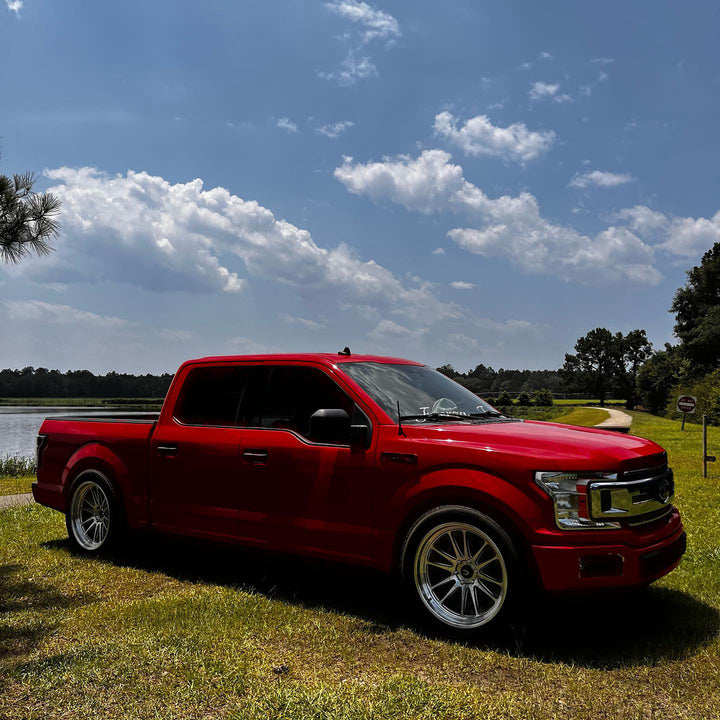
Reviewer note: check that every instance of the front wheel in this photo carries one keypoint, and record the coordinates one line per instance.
(460, 569)
(93, 518)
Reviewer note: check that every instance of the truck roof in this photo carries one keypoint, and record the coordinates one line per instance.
(325, 358)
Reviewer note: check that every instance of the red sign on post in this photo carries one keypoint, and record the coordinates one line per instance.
(686, 404)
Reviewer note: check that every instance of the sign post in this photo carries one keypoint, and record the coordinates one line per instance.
(706, 458)
(686, 405)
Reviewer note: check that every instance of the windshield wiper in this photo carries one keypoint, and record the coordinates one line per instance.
(435, 416)
(487, 413)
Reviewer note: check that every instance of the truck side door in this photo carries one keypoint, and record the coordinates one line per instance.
(318, 495)
(196, 462)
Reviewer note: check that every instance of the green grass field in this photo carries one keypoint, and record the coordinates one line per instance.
(585, 417)
(15, 485)
(170, 629)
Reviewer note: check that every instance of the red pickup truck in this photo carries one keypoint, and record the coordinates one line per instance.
(376, 461)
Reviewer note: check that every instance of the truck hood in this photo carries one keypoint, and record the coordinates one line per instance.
(547, 446)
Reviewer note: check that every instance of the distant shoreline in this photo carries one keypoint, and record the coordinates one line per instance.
(130, 403)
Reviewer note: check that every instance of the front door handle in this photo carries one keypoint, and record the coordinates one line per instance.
(255, 456)
(167, 450)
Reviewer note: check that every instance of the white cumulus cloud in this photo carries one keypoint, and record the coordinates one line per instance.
(542, 90)
(15, 6)
(462, 285)
(375, 23)
(144, 231)
(304, 322)
(507, 226)
(285, 124)
(351, 70)
(601, 179)
(335, 130)
(478, 136)
(683, 236)
(371, 25)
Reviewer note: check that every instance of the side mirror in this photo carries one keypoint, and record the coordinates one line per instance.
(360, 435)
(330, 425)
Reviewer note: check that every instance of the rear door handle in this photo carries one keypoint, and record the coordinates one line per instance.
(255, 456)
(167, 450)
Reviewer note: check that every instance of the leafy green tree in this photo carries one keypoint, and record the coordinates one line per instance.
(596, 364)
(543, 398)
(523, 398)
(656, 379)
(449, 371)
(483, 375)
(697, 312)
(504, 399)
(636, 349)
(27, 218)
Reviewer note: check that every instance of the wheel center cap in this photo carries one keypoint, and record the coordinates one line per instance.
(466, 571)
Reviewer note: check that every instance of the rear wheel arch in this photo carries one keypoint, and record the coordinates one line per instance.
(94, 456)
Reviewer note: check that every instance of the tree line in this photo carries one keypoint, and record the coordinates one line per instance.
(43, 383)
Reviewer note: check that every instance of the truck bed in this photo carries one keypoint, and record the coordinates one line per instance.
(118, 444)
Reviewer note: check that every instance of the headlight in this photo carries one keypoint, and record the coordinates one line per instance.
(569, 495)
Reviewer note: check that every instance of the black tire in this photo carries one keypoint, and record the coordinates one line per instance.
(94, 517)
(460, 571)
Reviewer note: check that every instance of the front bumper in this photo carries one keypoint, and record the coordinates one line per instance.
(565, 568)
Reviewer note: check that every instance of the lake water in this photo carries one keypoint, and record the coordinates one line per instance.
(20, 425)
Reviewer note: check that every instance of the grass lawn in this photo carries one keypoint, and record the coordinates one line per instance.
(586, 417)
(168, 629)
(15, 485)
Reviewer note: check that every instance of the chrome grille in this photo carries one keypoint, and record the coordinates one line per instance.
(641, 495)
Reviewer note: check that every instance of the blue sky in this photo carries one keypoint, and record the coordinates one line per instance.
(456, 182)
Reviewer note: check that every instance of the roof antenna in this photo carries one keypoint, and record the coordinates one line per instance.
(345, 351)
(400, 430)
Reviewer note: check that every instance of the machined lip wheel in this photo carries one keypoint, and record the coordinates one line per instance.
(460, 575)
(90, 515)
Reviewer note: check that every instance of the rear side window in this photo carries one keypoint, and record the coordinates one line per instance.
(227, 396)
(295, 393)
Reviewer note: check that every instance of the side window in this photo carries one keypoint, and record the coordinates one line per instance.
(295, 393)
(224, 395)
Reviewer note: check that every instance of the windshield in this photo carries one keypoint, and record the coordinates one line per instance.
(420, 390)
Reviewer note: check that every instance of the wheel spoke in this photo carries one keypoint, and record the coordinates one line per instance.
(481, 565)
(463, 597)
(465, 545)
(479, 585)
(456, 549)
(443, 553)
(487, 578)
(449, 593)
(479, 552)
(474, 599)
(447, 568)
(442, 582)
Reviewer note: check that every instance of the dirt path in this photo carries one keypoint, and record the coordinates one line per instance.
(617, 419)
(7, 501)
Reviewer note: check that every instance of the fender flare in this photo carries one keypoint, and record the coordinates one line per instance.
(95, 456)
(501, 500)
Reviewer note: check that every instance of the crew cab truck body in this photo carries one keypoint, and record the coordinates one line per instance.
(374, 461)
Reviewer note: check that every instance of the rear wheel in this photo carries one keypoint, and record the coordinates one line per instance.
(460, 569)
(93, 518)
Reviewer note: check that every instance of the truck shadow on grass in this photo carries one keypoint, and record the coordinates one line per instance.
(20, 594)
(607, 630)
